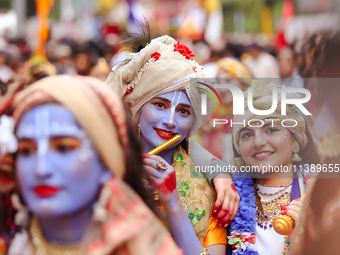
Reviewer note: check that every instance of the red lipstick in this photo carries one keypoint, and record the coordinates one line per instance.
(164, 133)
(45, 191)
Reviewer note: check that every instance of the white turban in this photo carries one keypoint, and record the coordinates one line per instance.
(145, 78)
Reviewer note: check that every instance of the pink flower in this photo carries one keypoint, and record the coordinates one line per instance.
(155, 55)
(184, 50)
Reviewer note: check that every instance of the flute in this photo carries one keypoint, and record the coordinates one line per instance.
(283, 225)
(165, 145)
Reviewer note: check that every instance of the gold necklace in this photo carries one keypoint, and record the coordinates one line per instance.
(267, 210)
(42, 247)
(267, 194)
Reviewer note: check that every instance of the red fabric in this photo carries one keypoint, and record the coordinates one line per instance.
(287, 15)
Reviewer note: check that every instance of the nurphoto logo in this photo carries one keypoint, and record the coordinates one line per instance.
(238, 99)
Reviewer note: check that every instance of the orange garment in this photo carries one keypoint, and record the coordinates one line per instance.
(43, 9)
(215, 235)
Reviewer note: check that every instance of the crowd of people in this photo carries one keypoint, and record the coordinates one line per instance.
(78, 125)
(96, 57)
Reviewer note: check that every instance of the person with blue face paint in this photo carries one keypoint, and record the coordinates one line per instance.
(163, 117)
(76, 181)
(155, 85)
(56, 158)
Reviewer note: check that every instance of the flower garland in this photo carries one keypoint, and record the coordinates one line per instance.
(242, 228)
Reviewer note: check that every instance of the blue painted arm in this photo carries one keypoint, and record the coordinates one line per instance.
(182, 230)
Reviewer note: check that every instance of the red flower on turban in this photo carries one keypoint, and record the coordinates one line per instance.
(184, 50)
(155, 55)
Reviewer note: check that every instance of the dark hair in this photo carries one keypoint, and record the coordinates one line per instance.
(136, 176)
(39, 76)
(309, 155)
(6, 213)
(3, 88)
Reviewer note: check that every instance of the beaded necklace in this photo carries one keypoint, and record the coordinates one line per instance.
(267, 210)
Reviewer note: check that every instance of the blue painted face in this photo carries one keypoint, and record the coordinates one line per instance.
(58, 169)
(165, 116)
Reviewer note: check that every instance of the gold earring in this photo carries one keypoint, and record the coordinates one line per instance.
(240, 162)
(188, 144)
(138, 132)
(296, 148)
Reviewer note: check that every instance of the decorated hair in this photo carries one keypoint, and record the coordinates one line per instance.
(162, 66)
(135, 43)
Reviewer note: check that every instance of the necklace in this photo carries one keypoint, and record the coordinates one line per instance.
(250, 210)
(273, 186)
(267, 210)
(273, 194)
(42, 247)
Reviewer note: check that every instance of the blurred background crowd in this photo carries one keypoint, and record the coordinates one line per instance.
(240, 39)
(272, 38)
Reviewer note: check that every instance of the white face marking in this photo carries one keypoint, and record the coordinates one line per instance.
(256, 126)
(173, 106)
(56, 129)
(256, 131)
(44, 129)
(285, 134)
(86, 151)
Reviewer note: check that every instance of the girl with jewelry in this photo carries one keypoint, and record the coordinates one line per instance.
(268, 152)
(154, 84)
(77, 172)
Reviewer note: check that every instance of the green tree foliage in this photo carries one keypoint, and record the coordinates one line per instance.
(252, 11)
